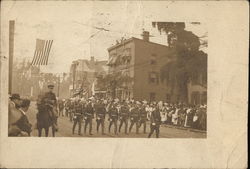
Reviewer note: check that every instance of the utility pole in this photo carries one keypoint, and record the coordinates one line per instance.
(11, 52)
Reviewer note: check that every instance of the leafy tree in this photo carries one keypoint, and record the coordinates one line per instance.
(111, 82)
(189, 59)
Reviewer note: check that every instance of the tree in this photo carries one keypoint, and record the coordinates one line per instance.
(189, 58)
(111, 82)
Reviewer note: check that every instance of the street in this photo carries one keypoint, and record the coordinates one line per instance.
(65, 129)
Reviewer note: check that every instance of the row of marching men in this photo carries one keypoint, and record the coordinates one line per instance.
(119, 115)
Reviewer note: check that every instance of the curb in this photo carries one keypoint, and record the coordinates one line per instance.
(183, 128)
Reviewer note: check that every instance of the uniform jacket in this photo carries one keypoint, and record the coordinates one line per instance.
(155, 117)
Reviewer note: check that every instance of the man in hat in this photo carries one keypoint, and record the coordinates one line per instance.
(143, 117)
(155, 122)
(78, 115)
(23, 123)
(89, 115)
(100, 115)
(14, 114)
(113, 117)
(124, 115)
(134, 117)
(51, 102)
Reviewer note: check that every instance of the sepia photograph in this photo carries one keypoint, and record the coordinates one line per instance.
(135, 84)
(151, 82)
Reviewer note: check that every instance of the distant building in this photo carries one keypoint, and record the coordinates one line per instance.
(83, 75)
(142, 60)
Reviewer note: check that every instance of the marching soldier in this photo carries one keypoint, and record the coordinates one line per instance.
(67, 107)
(155, 121)
(124, 115)
(77, 118)
(89, 115)
(71, 109)
(134, 118)
(113, 117)
(100, 115)
(143, 117)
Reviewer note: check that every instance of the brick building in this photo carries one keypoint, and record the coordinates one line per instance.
(142, 60)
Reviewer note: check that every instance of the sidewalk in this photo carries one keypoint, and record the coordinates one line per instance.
(184, 128)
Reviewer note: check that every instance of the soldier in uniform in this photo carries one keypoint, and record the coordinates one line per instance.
(124, 115)
(51, 102)
(143, 117)
(67, 106)
(77, 118)
(113, 117)
(100, 115)
(134, 117)
(155, 121)
(89, 115)
(71, 109)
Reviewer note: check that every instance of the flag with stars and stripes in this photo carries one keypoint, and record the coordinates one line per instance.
(41, 55)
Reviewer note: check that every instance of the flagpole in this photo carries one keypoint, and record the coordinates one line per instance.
(11, 52)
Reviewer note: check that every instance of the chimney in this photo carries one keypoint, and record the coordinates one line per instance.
(145, 36)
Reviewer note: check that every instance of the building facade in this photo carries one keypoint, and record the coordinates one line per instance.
(83, 75)
(142, 61)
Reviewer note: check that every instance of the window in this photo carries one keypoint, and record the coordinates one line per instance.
(154, 77)
(204, 98)
(126, 56)
(195, 98)
(153, 59)
(152, 97)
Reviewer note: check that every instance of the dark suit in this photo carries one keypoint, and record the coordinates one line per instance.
(113, 117)
(143, 118)
(78, 115)
(124, 115)
(100, 116)
(89, 114)
(155, 121)
(134, 119)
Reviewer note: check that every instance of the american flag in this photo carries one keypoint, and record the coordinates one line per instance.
(42, 51)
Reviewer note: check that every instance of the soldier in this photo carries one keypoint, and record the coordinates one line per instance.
(143, 117)
(155, 121)
(134, 117)
(89, 115)
(67, 106)
(124, 115)
(60, 107)
(77, 118)
(71, 109)
(51, 102)
(100, 115)
(113, 117)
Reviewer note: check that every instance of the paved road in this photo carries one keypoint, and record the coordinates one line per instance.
(65, 129)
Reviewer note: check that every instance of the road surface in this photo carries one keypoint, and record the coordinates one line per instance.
(65, 129)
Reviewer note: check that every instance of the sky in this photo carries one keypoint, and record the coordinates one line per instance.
(72, 27)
